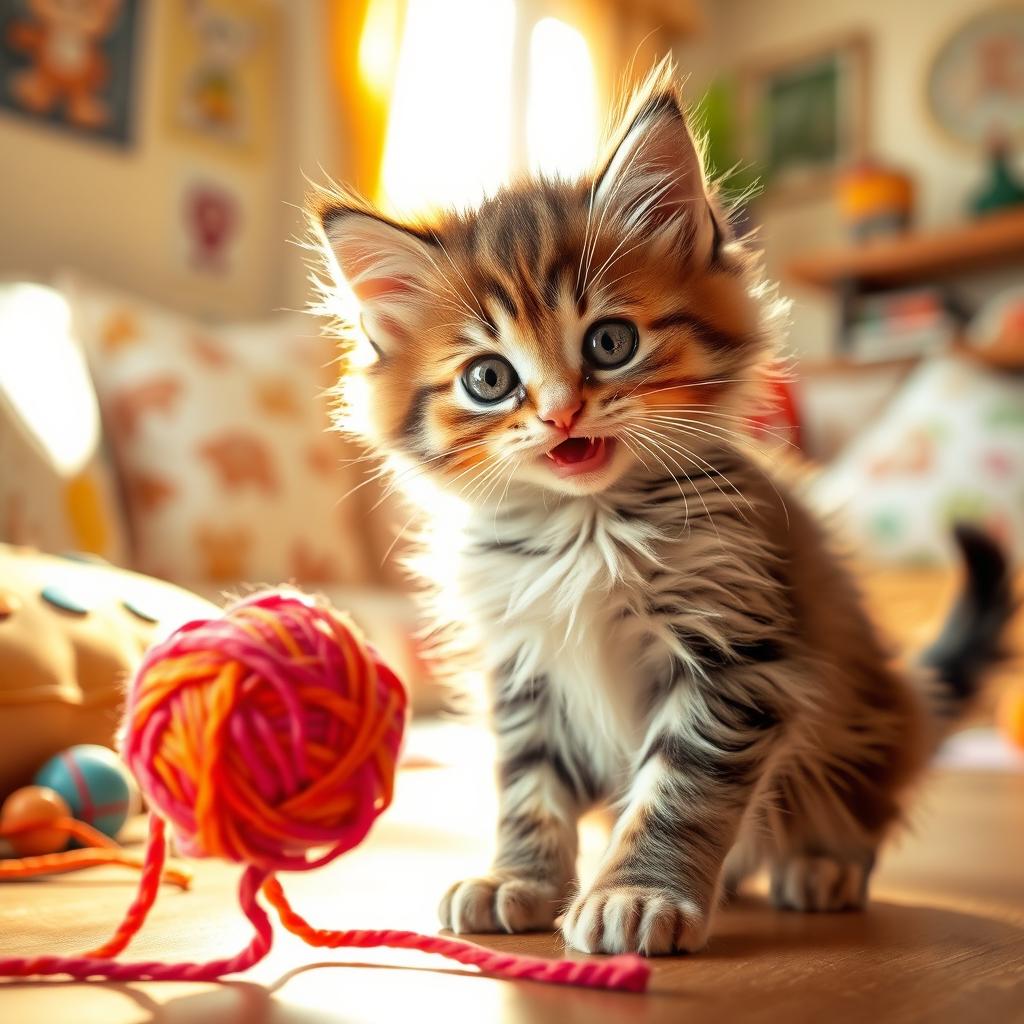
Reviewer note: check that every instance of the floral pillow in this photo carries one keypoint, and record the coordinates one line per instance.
(221, 437)
(950, 447)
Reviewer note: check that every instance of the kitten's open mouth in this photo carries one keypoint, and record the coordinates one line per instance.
(578, 455)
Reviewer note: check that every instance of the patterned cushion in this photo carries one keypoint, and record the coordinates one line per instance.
(221, 437)
(949, 447)
(57, 491)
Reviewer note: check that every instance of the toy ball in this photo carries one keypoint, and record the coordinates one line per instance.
(269, 736)
(94, 782)
(38, 806)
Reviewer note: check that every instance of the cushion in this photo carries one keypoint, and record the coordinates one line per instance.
(222, 440)
(948, 448)
(57, 489)
(71, 630)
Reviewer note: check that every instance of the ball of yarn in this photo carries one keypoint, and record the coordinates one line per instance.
(268, 736)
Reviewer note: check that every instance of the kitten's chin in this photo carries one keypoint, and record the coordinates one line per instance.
(589, 471)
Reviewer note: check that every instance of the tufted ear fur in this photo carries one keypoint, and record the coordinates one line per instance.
(385, 266)
(653, 178)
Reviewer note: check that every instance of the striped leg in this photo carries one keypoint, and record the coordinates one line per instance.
(658, 884)
(543, 790)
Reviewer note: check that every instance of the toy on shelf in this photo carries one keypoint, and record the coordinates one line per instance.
(875, 200)
(269, 737)
(94, 783)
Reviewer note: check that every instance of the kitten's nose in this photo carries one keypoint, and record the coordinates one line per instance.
(564, 416)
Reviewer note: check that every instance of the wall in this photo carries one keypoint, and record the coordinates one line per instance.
(905, 35)
(113, 212)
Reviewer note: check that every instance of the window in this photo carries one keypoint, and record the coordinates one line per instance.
(457, 125)
(562, 123)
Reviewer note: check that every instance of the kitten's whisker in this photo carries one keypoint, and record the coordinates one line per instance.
(747, 439)
(686, 505)
(653, 440)
(695, 459)
(398, 537)
(417, 469)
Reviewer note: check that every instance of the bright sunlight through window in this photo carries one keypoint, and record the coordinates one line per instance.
(561, 107)
(377, 46)
(448, 140)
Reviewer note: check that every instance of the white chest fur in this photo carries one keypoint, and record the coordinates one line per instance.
(563, 593)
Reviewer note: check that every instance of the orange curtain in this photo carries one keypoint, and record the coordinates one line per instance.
(365, 36)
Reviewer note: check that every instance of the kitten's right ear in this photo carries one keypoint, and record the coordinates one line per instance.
(385, 266)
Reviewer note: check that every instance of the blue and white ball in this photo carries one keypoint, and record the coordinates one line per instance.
(94, 782)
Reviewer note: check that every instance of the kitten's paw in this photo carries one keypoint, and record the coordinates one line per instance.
(500, 903)
(816, 884)
(634, 919)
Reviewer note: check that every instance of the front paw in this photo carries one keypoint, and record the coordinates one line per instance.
(634, 919)
(500, 903)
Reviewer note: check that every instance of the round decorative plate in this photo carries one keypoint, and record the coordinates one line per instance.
(976, 81)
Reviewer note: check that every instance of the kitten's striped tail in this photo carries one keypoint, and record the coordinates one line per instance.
(971, 639)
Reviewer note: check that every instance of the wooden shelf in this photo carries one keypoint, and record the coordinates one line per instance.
(992, 241)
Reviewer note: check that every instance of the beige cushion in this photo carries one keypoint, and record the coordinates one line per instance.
(57, 491)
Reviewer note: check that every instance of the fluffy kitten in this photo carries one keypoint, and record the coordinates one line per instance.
(664, 625)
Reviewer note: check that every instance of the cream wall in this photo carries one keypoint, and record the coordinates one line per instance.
(113, 212)
(904, 34)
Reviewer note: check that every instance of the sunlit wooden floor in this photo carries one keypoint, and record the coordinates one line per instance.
(943, 941)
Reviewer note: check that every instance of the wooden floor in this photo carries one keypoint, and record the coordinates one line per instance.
(943, 940)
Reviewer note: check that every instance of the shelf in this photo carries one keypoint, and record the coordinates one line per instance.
(992, 241)
(847, 364)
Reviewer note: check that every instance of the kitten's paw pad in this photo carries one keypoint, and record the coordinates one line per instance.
(499, 903)
(819, 884)
(633, 919)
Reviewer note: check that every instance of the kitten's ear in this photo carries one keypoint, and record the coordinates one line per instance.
(385, 266)
(653, 176)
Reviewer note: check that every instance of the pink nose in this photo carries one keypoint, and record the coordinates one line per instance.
(564, 417)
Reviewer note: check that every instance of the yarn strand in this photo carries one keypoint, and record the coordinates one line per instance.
(109, 969)
(624, 973)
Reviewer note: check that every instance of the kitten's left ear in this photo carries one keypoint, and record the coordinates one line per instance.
(653, 177)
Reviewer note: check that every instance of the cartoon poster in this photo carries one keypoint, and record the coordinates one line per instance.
(221, 67)
(70, 65)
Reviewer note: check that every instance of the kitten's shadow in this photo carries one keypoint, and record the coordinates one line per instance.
(748, 926)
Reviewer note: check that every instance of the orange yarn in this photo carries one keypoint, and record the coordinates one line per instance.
(102, 850)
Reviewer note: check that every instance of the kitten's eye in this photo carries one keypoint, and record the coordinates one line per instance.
(609, 344)
(489, 379)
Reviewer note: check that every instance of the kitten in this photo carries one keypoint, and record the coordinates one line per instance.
(665, 625)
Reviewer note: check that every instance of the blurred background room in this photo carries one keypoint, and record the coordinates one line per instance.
(165, 408)
(162, 387)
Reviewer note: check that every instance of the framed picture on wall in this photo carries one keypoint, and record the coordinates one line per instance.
(975, 84)
(221, 86)
(70, 65)
(805, 115)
